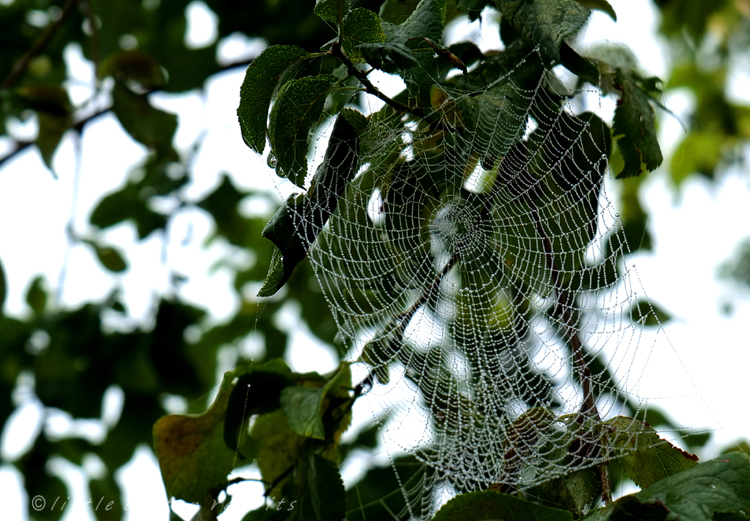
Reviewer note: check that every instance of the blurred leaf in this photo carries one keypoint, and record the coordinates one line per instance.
(36, 296)
(149, 126)
(648, 314)
(222, 204)
(361, 26)
(545, 22)
(55, 115)
(473, 8)
(294, 115)
(634, 127)
(646, 457)
(111, 258)
(257, 392)
(257, 89)
(699, 152)
(106, 499)
(136, 66)
(128, 203)
(191, 451)
(490, 505)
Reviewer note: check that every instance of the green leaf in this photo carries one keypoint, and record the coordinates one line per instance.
(54, 112)
(222, 204)
(491, 505)
(106, 499)
(110, 258)
(699, 152)
(274, 446)
(576, 492)
(648, 314)
(36, 296)
(191, 451)
(257, 392)
(304, 406)
(136, 66)
(295, 225)
(645, 457)
(397, 11)
(361, 26)
(331, 10)
(149, 126)
(634, 124)
(295, 114)
(696, 494)
(323, 497)
(545, 23)
(257, 89)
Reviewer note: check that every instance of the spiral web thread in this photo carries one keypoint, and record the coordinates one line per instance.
(472, 266)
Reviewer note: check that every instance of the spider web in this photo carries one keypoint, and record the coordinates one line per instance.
(475, 266)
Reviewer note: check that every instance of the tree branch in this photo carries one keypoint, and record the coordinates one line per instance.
(372, 89)
(19, 68)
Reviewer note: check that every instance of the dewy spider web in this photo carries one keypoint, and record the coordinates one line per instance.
(472, 265)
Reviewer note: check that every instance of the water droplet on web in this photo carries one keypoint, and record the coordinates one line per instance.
(617, 215)
(271, 160)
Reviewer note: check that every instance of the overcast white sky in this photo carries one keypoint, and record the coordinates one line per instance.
(694, 232)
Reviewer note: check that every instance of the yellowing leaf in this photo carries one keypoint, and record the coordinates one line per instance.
(191, 451)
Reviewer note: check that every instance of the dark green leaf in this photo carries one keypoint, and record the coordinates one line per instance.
(257, 89)
(323, 497)
(149, 126)
(303, 405)
(295, 114)
(388, 57)
(257, 392)
(36, 296)
(106, 499)
(645, 457)
(128, 203)
(111, 258)
(576, 492)
(397, 11)
(634, 124)
(332, 11)
(696, 494)
(54, 112)
(295, 226)
(222, 204)
(545, 23)
(648, 314)
(361, 26)
(136, 66)
(578, 65)
(490, 505)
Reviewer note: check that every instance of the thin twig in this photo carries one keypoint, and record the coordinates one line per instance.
(372, 89)
(19, 68)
